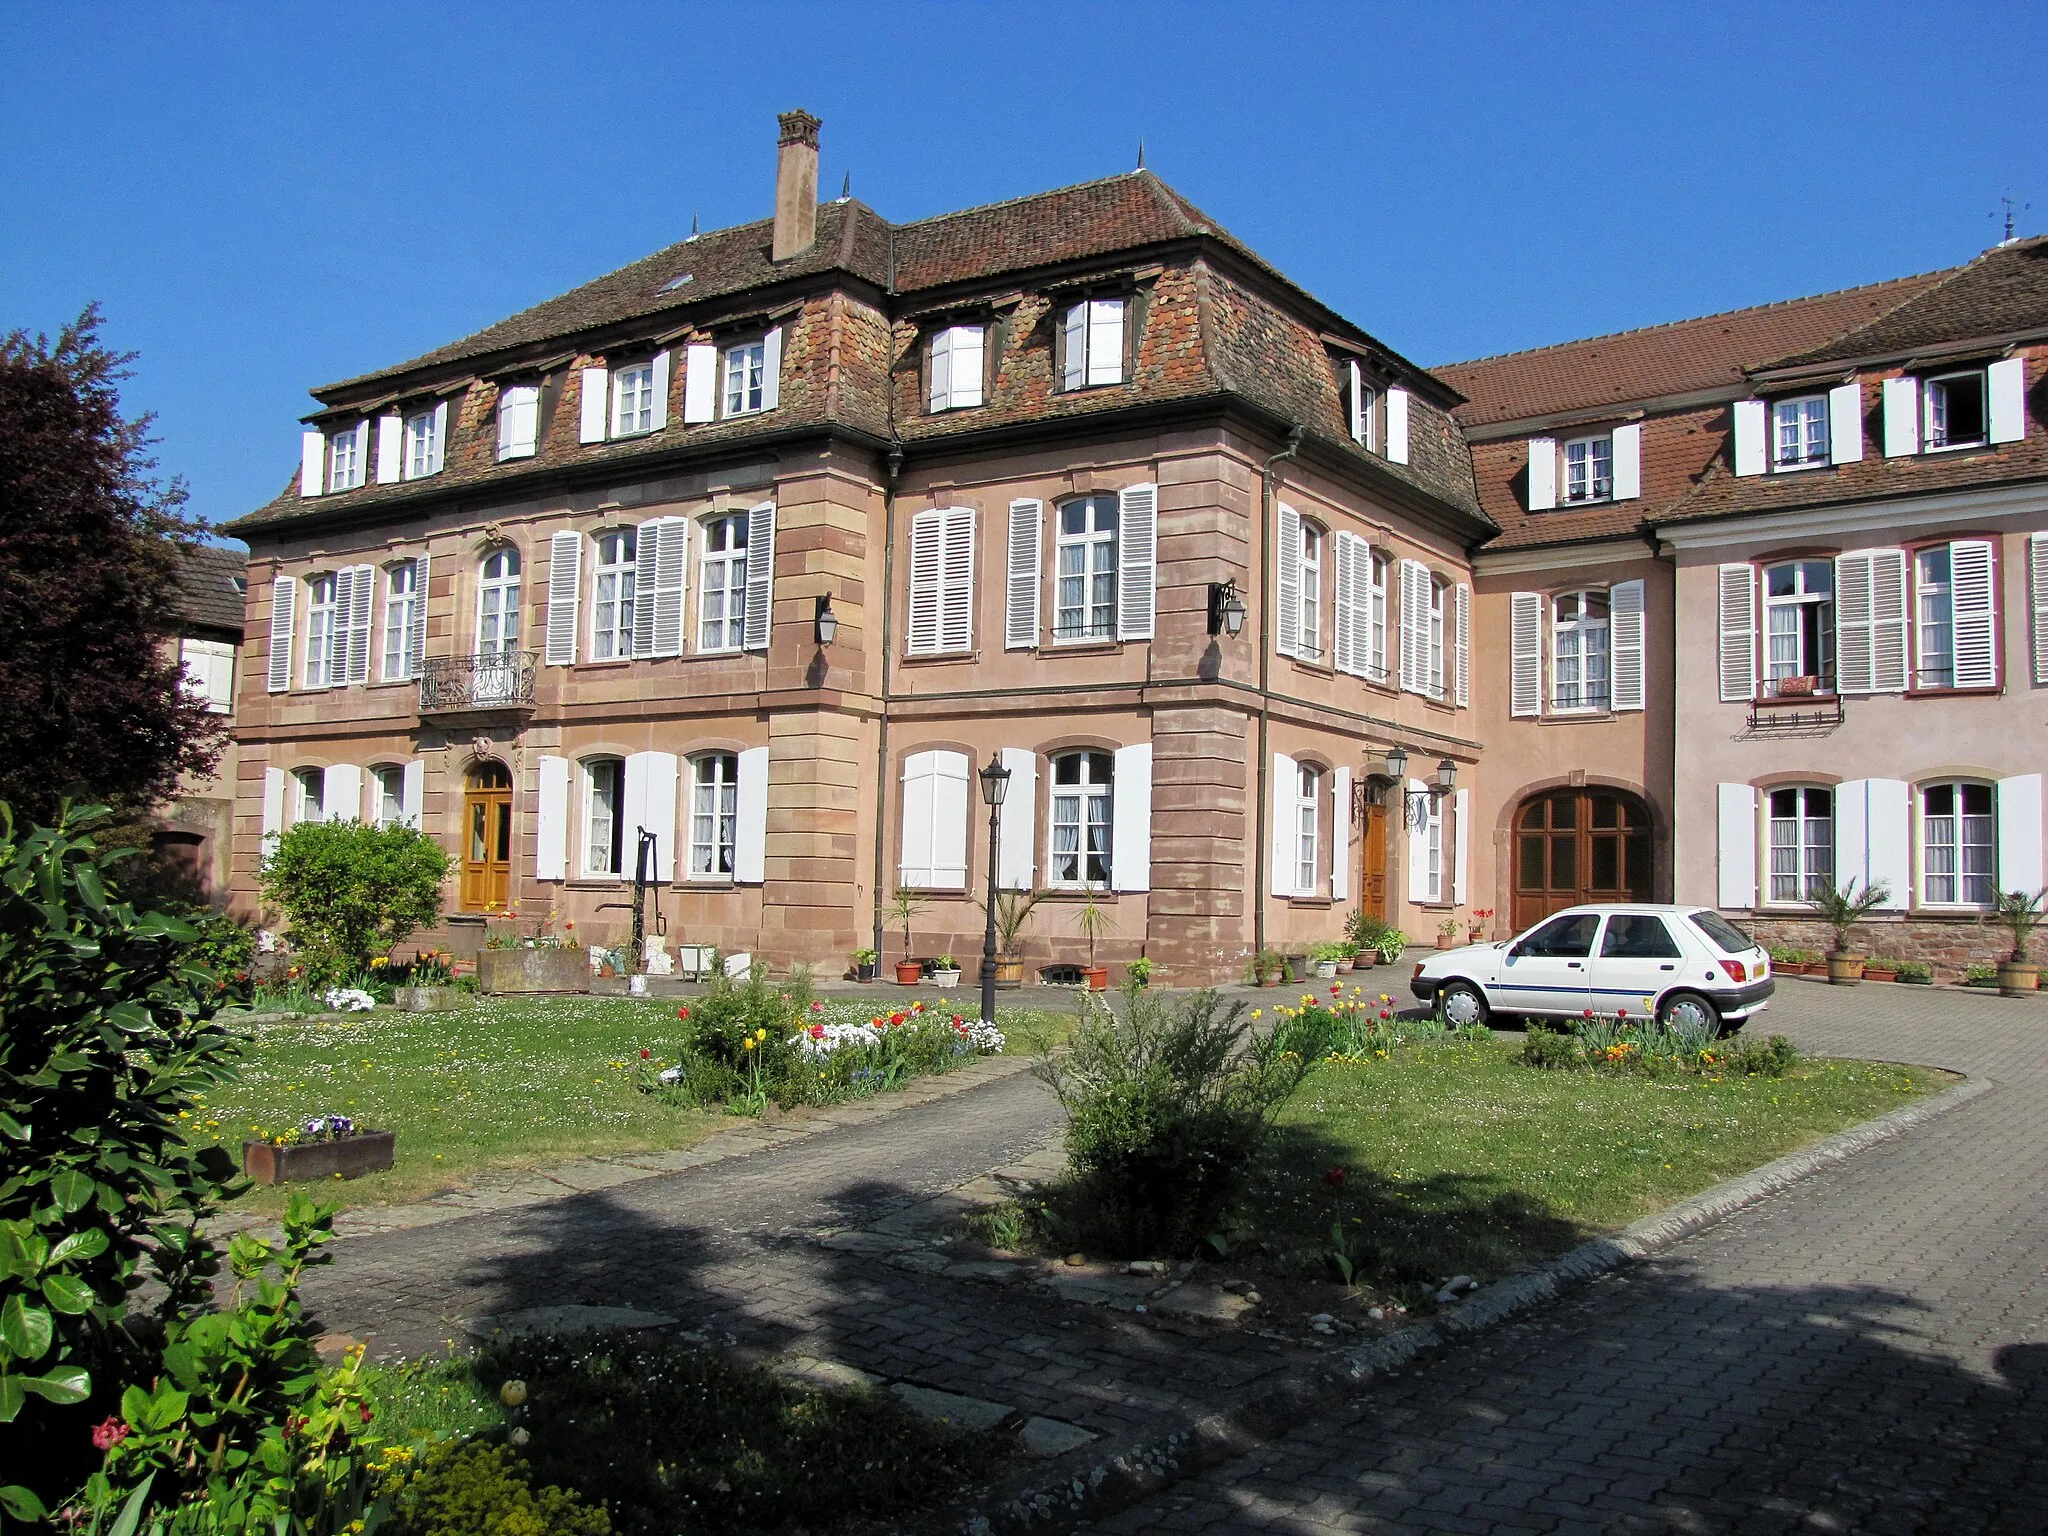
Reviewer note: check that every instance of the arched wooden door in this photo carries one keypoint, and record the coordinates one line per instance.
(486, 838)
(1579, 845)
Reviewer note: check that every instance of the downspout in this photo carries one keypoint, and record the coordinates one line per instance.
(882, 731)
(1270, 483)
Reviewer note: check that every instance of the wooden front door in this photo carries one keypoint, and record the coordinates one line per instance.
(487, 838)
(1372, 860)
(1579, 845)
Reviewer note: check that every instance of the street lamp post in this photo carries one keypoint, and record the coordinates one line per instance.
(995, 783)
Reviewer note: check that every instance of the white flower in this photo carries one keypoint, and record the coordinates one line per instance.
(350, 1000)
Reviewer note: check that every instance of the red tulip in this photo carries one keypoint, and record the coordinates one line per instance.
(646, 1055)
(1334, 1177)
(682, 1013)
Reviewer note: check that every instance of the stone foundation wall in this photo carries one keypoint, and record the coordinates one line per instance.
(1949, 944)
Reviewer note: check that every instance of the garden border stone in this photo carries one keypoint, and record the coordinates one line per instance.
(1096, 1481)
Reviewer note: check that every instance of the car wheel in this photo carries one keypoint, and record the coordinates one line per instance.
(1689, 1010)
(1461, 1004)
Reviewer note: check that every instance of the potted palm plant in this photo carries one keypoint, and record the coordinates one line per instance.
(1013, 911)
(904, 906)
(1092, 919)
(1842, 907)
(2020, 914)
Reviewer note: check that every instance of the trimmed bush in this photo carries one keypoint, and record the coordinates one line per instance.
(350, 891)
(486, 1490)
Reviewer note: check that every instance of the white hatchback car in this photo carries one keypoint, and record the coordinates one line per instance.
(1680, 964)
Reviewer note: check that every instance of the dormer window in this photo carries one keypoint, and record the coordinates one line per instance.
(633, 399)
(1093, 335)
(1955, 410)
(1799, 432)
(1589, 469)
(345, 456)
(424, 438)
(958, 355)
(1361, 407)
(746, 368)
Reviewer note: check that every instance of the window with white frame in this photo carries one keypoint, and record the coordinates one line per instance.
(387, 795)
(423, 444)
(633, 399)
(604, 821)
(344, 460)
(1958, 845)
(1934, 602)
(1308, 804)
(1361, 406)
(1439, 591)
(1799, 432)
(1956, 414)
(1093, 336)
(497, 605)
(322, 660)
(1376, 657)
(613, 597)
(309, 793)
(714, 814)
(1802, 837)
(1955, 615)
(958, 355)
(1430, 813)
(209, 672)
(722, 589)
(746, 373)
(401, 612)
(1085, 607)
(1310, 592)
(1579, 651)
(1589, 468)
(1799, 627)
(1082, 805)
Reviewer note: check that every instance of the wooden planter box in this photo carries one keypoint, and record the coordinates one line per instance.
(303, 1162)
(502, 971)
(1009, 972)
(427, 999)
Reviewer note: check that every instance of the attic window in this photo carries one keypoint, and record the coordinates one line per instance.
(677, 281)
(240, 584)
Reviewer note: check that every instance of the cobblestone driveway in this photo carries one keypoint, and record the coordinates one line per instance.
(1867, 1352)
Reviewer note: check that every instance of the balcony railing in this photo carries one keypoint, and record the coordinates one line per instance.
(452, 684)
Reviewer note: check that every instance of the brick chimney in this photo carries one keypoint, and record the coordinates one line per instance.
(796, 185)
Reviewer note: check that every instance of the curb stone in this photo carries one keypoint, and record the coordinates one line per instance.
(1098, 1481)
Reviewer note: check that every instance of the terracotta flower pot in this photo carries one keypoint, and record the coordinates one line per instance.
(2016, 977)
(1098, 977)
(909, 973)
(1879, 973)
(303, 1162)
(1845, 970)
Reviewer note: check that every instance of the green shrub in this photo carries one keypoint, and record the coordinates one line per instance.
(486, 1490)
(350, 891)
(1980, 976)
(1757, 1058)
(1550, 1051)
(1918, 972)
(1167, 1106)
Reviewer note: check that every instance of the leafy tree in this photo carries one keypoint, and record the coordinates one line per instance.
(350, 890)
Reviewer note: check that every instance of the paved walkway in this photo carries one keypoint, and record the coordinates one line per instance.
(1867, 1352)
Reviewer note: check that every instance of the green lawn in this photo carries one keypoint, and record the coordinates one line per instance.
(502, 1083)
(1460, 1159)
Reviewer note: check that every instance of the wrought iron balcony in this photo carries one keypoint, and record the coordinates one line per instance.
(452, 685)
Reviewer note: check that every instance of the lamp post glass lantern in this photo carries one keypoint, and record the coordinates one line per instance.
(828, 621)
(995, 784)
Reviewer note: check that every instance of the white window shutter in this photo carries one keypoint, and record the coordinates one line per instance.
(951, 776)
(1415, 595)
(422, 573)
(1286, 787)
(760, 620)
(1852, 833)
(1137, 576)
(1287, 583)
(341, 793)
(646, 557)
(1461, 811)
(941, 368)
(1736, 885)
(956, 607)
(1542, 473)
(1016, 837)
(1845, 423)
(519, 422)
(1973, 571)
(1355, 379)
(1020, 604)
(671, 581)
(596, 410)
(1130, 825)
(362, 469)
(651, 807)
(1074, 366)
(1340, 834)
(565, 569)
(1628, 461)
(1416, 813)
(1397, 426)
(1888, 825)
(2019, 834)
(273, 803)
(970, 344)
(1888, 620)
(1525, 654)
(750, 810)
(312, 462)
(927, 564)
(361, 605)
(2006, 381)
(1901, 417)
(771, 369)
(1628, 664)
(1350, 551)
(390, 448)
(284, 595)
(1105, 341)
(2037, 569)
(1461, 646)
(551, 821)
(661, 373)
(1737, 608)
(440, 453)
(915, 868)
(1853, 672)
(1752, 433)
(412, 802)
(700, 383)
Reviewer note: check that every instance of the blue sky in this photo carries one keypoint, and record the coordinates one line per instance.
(266, 197)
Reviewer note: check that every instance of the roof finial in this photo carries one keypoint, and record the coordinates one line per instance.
(693, 226)
(1141, 154)
(2007, 203)
(846, 187)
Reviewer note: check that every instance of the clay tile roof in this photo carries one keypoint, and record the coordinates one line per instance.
(211, 586)
(1710, 352)
(2001, 293)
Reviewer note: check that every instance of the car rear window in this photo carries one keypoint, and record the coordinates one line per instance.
(1724, 935)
